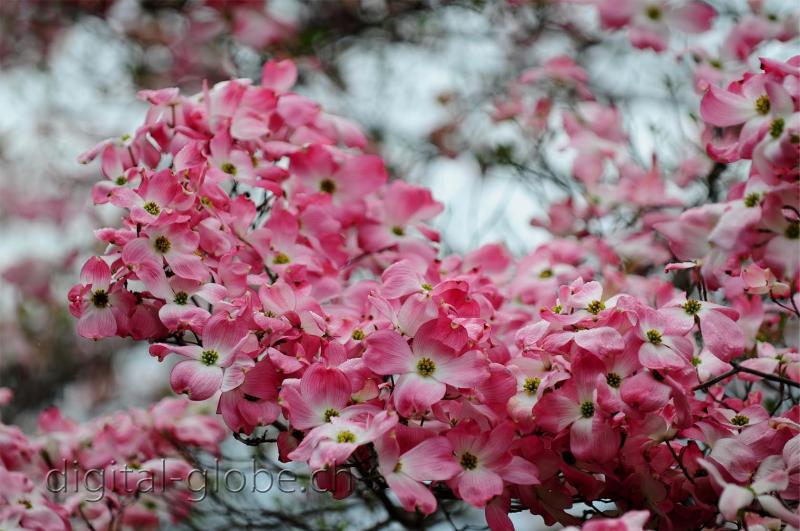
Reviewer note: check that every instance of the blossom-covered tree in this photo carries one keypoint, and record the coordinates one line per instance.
(640, 369)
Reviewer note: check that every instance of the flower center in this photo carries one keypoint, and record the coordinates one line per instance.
(654, 336)
(776, 127)
(469, 461)
(547, 273)
(752, 199)
(587, 409)
(346, 436)
(162, 244)
(398, 231)
(762, 104)
(792, 231)
(330, 413)
(691, 307)
(531, 385)
(327, 186)
(25, 503)
(556, 309)
(653, 12)
(181, 298)
(426, 367)
(151, 208)
(398, 467)
(357, 334)
(740, 420)
(209, 357)
(696, 361)
(120, 180)
(427, 287)
(100, 298)
(281, 259)
(596, 307)
(613, 380)
(228, 168)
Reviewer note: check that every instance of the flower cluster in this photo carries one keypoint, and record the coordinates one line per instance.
(128, 470)
(263, 249)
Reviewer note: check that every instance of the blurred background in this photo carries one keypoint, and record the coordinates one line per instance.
(456, 95)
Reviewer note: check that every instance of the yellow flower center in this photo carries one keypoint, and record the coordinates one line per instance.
(209, 357)
(469, 461)
(346, 436)
(426, 367)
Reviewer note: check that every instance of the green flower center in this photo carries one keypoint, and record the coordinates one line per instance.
(25, 503)
(776, 127)
(653, 12)
(792, 231)
(229, 168)
(327, 186)
(151, 208)
(596, 307)
(696, 361)
(162, 244)
(100, 298)
(427, 287)
(654, 336)
(120, 180)
(346, 436)
(547, 273)
(691, 307)
(752, 199)
(426, 367)
(531, 385)
(469, 461)
(762, 104)
(613, 380)
(209, 357)
(398, 231)
(281, 259)
(357, 334)
(740, 420)
(330, 413)
(181, 298)
(556, 309)
(587, 409)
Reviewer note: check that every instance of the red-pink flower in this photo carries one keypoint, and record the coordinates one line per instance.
(93, 301)
(406, 467)
(424, 370)
(217, 364)
(576, 406)
(486, 462)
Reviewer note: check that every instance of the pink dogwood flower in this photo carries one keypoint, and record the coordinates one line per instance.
(576, 406)
(218, 364)
(425, 369)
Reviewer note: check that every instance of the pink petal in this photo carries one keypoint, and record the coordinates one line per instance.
(432, 459)
(724, 109)
(197, 380)
(734, 498)
(478, 486)
(415, 393)
(466, 370)
(721, 335)
(388, 353)
(555, 411)
(412, 495)
(96, 323)
(326, 386)
(97, 273)
(279, 76)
